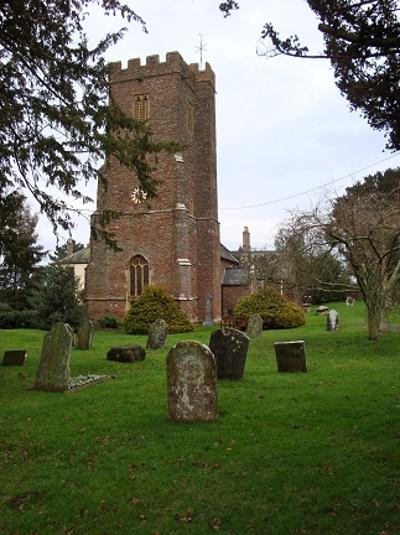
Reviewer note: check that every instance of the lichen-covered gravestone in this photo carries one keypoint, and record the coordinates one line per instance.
(230, 350)
(53, 374)
(130, 353)
(254, 326)
(192, 383)
(332, 320)
(15, 357)
(157, 334)
(291, 356)
(84, 337)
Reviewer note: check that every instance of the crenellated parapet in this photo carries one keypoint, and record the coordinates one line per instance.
(174, 63)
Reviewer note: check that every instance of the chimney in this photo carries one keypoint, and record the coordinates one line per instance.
(70, 246)
(246, 240)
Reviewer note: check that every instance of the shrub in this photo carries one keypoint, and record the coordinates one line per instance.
(275, 310)
(155, 303)
(108, 322)
(19, 319)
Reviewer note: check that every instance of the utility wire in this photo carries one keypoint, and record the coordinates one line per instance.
(331, 182)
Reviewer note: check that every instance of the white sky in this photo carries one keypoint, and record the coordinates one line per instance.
(282, 126)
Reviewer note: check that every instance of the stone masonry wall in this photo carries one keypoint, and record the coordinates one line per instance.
(178, 231)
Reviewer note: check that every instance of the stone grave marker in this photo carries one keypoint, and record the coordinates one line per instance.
(350, 301)
(254, 326)
(332, 320)
(84, 336)
(192, 383)
(230, 350)
(322, 310)
(291, 356)
(15, 357)
(53, 374)
(208, 322)
(157, 334)
(130, 353)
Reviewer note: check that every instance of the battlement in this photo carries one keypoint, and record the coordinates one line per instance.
(173, 63)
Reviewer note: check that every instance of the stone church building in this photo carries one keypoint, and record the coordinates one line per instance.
(173, 239)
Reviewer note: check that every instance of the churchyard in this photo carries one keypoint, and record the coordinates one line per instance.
(290, 453)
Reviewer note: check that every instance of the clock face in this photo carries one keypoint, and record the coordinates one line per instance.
(138, 195)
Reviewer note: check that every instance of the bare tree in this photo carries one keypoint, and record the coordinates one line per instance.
(364, 225)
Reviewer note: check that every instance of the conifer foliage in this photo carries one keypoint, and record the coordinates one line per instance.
(55, 119)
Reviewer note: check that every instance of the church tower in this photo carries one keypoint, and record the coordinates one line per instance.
(173, 239)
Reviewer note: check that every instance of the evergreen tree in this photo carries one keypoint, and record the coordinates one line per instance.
(55, 118)
(58, 297)
(19, 255)
(60, 251)
(362, 41)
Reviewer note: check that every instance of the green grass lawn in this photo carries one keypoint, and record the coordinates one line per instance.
(314, 453)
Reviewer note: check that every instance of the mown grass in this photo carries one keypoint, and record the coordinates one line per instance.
(290, 454)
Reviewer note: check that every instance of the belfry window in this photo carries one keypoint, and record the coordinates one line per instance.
(138, 275)
(142, 107)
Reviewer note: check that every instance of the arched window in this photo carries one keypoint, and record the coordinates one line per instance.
(138, 275)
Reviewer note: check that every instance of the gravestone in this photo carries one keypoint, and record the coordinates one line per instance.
(291, 356)
(230, 350)
(157, 334)
(15, 357)
(254, 326)
(84, 336)
(350, 301)
(131, 353)
(322, 310)
(53, 373)
(208, 319)
(71, 330)
(192, 383)
(332, 320)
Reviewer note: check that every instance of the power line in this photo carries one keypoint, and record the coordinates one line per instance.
(331, 182)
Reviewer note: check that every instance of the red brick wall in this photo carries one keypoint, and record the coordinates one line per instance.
(182, 248)
(231, 296)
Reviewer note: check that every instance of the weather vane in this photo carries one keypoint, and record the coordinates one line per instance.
(201, 48)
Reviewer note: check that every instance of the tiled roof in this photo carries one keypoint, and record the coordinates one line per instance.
(236, 276)
(80, 257)
(227, 255)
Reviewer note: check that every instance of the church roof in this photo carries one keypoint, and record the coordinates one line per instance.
(236, 276)
(80, 257)
(227, 255)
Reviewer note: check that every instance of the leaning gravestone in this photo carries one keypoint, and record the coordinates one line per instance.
(84, 336)
(15, 357)
(157, 334)
(332, 320)
(130, 353)
(254, 326)
(53, 373)
(291, 356)
(230, 350)
(192, 383)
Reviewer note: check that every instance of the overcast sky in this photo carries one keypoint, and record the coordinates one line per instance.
(282, 126)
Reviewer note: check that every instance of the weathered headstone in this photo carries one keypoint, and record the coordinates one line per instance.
(208, 319)
(131, 353)
(53, 373)
(230, 350)
(84, 337)
(332, 320)
(192, 383)
(350, 300)
(71, 330)
(291, 356)
(322, 310)
(254, 326)
(15, 357)
(157, 334)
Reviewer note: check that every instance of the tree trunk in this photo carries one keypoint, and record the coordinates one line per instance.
(375, 313)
